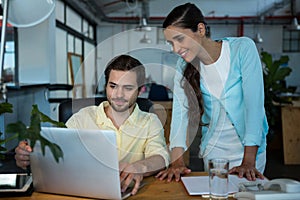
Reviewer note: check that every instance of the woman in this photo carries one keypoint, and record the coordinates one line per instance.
(219, 88)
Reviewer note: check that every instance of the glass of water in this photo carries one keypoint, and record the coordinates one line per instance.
(218, 178)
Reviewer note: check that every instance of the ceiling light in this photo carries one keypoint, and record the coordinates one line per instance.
(294, 25)
(258, 38)
(145, 39)
(143, 26)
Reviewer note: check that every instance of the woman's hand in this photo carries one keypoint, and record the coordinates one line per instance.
(247, 168)
(23, 151)
(173, 171)
(250, 172)
(177, 168)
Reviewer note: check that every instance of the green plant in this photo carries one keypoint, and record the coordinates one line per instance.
(274, 73)
(31, 132)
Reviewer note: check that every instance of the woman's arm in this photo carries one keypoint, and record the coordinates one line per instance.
(177, 167)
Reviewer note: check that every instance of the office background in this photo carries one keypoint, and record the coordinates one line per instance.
(98, 30)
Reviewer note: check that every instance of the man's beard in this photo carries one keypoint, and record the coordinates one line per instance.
(124, 108)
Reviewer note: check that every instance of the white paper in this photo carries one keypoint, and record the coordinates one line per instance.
(198, 185)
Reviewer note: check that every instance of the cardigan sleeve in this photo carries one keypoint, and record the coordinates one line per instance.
(253, 92)
(178, 132)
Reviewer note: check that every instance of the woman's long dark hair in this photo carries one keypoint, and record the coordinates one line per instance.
(188, 16)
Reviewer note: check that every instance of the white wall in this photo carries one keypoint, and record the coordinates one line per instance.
(39, 56)
(37, 52)
(115, 40)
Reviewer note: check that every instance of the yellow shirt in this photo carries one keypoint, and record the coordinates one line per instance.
(139, 137)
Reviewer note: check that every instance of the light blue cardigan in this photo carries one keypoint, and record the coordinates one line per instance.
(242, 98)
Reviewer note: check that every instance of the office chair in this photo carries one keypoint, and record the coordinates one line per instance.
(68, 107)
(57, 87)
(158, 93)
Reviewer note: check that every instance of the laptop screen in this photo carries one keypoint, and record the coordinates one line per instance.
(89, 167)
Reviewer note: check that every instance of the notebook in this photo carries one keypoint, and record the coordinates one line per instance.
(89, 167)
(199, 185)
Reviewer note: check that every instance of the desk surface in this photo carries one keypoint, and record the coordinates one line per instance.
(154, 189)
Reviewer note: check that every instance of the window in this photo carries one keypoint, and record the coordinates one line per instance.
(69, 18)
(291, 40)
(9, 59)
(75, 34)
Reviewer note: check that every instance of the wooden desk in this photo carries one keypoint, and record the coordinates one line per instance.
(154, 189)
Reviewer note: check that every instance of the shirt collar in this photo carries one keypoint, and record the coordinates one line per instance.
(102, 118)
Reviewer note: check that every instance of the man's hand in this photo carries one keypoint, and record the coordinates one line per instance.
(22, 154)
(130, 173)
(135, 172)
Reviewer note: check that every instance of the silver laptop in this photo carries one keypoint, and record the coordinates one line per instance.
(89, 167)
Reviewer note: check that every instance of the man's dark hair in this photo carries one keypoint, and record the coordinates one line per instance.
(126, 63)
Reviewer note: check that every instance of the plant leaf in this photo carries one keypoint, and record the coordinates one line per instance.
(56, 151)
(45, 118)
(17, 128)
(284, 59)
(281, 73)
(267, 59)
(5, 108)
(2, 149)
(35, 133)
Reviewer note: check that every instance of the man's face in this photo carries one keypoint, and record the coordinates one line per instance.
(122, 90)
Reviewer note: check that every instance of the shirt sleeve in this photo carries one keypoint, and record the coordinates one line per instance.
(156, 143)
(83, 119)
(179, 123)
(253, 92)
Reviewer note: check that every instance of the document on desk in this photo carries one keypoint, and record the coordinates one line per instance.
(199, 185)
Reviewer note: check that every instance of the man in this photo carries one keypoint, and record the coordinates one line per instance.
(140, 137)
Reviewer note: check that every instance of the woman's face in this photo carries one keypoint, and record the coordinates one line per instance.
(184, 42)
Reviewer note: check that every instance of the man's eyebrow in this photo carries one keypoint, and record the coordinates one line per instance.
(128, 85)
(112, 83)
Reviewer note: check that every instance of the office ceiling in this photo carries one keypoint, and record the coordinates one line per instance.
(131, 11)
(115, 11)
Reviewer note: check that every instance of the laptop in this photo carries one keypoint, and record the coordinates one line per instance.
(89, 167)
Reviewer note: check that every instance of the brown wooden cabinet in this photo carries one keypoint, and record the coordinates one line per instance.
(163, 109)
(291, 133)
